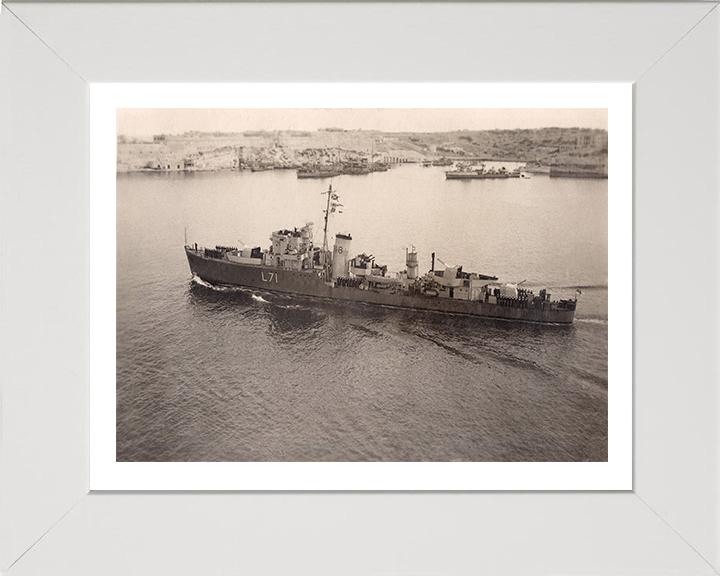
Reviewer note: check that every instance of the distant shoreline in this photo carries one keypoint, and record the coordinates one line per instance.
(545, 147)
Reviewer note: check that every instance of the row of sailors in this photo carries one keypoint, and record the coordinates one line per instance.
(349, 282)
(536, 302)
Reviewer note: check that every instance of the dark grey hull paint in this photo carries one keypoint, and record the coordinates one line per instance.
(307, 283)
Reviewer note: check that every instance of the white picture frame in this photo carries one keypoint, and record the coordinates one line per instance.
(668, 524)
(108, 101)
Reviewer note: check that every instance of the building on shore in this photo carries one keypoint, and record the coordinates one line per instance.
(212, 151)
(597, 140)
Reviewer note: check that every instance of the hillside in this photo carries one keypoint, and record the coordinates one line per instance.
(540, 148)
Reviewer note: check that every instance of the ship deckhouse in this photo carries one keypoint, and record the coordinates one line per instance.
(291, 249)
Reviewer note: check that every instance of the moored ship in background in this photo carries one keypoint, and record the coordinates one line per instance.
(466, 172)
(579, 172)
(319, 171)
(348, 168)
(294, 265)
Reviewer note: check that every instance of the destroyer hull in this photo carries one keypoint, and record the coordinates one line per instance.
(308, 283)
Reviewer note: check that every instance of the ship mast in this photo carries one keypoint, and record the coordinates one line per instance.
(332, 204)
(327, 214)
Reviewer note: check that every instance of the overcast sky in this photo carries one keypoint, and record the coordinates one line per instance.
(146, 122)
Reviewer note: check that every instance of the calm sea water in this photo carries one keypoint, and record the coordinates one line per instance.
(227, 374)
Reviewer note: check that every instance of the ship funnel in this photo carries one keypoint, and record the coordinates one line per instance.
(341, 255)
(411, 261)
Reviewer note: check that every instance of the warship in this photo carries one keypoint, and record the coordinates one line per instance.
(294, 265)
(468, 173)
(319, 172)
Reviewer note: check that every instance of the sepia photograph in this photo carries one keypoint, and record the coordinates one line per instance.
(362, 285)
(345, 285)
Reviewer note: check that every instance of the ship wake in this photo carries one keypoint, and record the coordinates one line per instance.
(494, 359)
(600, 321)
(225, 288)
(217, 287)
(199, 281)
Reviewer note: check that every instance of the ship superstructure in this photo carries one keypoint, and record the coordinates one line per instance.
(294, 265)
